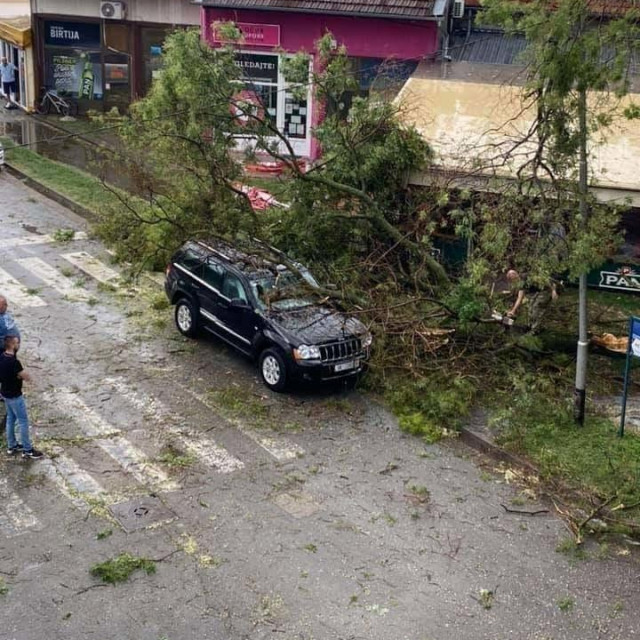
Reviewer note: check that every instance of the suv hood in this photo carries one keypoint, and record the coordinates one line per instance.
(316, 324)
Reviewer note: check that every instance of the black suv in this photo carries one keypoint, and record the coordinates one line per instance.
(265, 310)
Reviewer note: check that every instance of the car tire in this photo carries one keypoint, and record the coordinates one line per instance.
(186, 318)
(273, 370)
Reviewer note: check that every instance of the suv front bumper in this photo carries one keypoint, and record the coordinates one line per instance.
(315, 370)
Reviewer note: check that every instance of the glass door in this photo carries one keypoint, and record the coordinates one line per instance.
(117, 89)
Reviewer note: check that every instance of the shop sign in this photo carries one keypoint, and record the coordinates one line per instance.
(72, 34)
(624, 279)
(256, 35)
(257, 67)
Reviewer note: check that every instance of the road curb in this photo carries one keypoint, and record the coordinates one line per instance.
(482, 444)
(51, 194)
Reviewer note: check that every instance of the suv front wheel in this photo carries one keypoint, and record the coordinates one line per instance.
(186, 318)
(273, 370)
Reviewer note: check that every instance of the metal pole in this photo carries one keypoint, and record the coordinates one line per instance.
(626, 380)
(580, 392)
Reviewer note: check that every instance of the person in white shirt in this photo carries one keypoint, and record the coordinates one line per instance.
(8, 77)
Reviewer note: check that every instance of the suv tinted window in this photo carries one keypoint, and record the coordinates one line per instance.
(212, 274)
(190, 260)
(233, 288)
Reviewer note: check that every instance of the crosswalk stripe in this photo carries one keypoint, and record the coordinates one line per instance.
(93, 267)
(129, 457)
(25, 241)
(17, 293)
(52, 277)
(205, 449)
(15, 515)
(74, 482)
(280, 448)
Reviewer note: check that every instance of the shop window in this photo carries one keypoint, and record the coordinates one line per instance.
(116, 81)
(152, 40)
(74, 73)
(260, 73)
(384, 77)
(116, 37)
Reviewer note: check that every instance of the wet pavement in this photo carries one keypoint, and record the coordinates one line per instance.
(303, 516)
(48, 137)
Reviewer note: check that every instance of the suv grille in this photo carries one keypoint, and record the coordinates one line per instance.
(340, 350)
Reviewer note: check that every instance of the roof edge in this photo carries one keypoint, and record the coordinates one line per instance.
(350, 14)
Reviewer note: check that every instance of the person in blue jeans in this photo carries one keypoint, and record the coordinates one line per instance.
(8, 327)
(12, 374)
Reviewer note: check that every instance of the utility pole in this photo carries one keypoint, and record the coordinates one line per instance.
(580, 392)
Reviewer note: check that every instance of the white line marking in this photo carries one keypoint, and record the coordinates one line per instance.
(15, 516)
(25, 241)
(18, 293)
(74, 482)
(52, 277)
(205, 449)
(93, 267)
(130, 458)
(280, 448)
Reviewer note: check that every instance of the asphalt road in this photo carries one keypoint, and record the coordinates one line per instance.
(300, 517)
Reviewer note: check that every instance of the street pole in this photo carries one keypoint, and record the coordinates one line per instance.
(580, 392)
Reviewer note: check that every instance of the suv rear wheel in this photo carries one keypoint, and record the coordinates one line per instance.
(186, 318)
(273, 370)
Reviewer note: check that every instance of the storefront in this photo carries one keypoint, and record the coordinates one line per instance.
(102, 64)
(87, 61)
(374, 44)
(15, 45)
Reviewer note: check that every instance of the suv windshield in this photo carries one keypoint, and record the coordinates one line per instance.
(282, 290)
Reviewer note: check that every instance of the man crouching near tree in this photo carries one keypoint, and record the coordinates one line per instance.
(538, 299)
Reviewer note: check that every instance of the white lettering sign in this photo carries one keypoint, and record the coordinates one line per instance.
(625, 282)
(60, 33)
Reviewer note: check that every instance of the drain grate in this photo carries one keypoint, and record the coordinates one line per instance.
(141, 513)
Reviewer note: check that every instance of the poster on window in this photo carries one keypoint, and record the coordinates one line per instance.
(295, 117)
(75, 74)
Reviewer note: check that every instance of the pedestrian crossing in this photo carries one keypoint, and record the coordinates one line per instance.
(46, 276)
(17, 293)
(203, 449)
(93, 267)
(32, 282)
(54, 278)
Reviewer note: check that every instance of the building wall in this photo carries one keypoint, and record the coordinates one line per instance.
(464, 120)
(363, 37)
(160, 11)
(14, 8)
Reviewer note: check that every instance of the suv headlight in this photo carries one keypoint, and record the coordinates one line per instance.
(307, 352)
(366, 339)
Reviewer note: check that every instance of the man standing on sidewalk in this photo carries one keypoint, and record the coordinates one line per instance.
(8, 77)
(12, 374)
(8, 326)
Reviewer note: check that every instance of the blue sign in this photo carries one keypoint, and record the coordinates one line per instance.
(634, 337)
(81, 35)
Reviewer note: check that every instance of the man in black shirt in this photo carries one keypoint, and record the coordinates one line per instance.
(12, 375)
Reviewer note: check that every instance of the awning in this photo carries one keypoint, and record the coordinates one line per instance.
(476, 109)
(17, 31)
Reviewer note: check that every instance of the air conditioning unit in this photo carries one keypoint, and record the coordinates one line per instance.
(112, 10)
(458, 8)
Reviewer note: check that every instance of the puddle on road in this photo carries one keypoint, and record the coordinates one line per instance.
(51, 143)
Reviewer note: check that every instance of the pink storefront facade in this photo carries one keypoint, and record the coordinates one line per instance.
(272, 34)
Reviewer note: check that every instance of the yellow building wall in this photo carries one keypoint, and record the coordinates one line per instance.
(466, 120)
